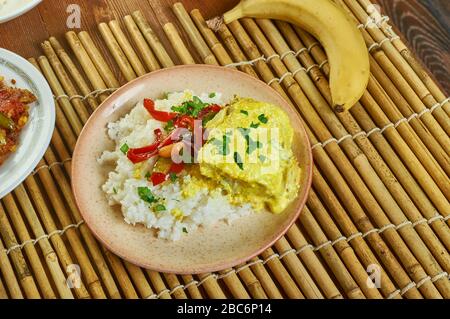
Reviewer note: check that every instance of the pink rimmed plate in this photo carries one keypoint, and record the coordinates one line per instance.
(208, 249)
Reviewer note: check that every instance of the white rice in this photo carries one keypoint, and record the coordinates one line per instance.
(204, 208)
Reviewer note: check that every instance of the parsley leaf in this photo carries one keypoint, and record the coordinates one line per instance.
(169, 126)
(160, 208)
(146, 195)
(244, 112)
(263, 119)
(173, 177)
(191, 108)
(124, 148)
(238, 160)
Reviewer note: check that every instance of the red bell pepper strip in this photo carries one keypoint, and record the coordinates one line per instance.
(140, 157)
(184, 121)
(158, 178)
(213, 108)
(176, 168)
(137, 155)
(158, 115)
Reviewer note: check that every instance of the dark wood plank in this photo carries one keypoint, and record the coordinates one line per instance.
(425, 25)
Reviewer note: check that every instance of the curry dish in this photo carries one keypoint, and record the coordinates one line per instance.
(14, 105)
(189, 160)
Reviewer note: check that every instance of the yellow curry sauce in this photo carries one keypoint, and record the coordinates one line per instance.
(248, 153)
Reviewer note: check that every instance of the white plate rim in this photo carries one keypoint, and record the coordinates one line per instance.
(19, 11)
(45, 97)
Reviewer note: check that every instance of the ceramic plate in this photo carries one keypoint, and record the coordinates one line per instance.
(35, 137)
(210, 248)
(14, 8)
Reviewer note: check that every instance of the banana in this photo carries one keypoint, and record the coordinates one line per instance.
(333, 27)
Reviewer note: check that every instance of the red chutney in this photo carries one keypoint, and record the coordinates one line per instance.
(13, 117)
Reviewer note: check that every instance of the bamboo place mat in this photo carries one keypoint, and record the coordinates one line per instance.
(379, 204)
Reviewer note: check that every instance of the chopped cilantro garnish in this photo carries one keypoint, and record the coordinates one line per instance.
(185, 230)
(244, 112)
(191, 108)
(263, 119)
(212, 95)
(146, 195)
(124, 148)
(173, 177)
(160, 208)
(115, 190)
(147, 175)
(251, 144)
(254, 125)
(238, 160)
(169, 126)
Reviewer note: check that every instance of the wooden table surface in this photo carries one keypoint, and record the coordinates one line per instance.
(425, 24)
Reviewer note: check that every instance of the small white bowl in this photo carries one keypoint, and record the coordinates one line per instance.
(35, 137)
(21, 9)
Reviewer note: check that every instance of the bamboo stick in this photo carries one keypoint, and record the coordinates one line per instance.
(126, 47)
(300, 274)
(117, 52)
(211, 286)
(158, 284)
(146, 54)
(252, 283)
(216, 47)
(405, 178)
(193, 290)
(56, 200)
(96, 58)
(73, 71)
(173, 282)
(342, 274)
(30, 251)
(50, 256)
(282, 276)
(58, 90)
(342, 247)
(65, 81)
(196, 38)
(3, 293)
(235, 286)
(412, 61)
(139, 280)
(177, 43)
(152, 40)
(50, 227)
(86, 62)
(10, 277)
(395, 66)
(361, 162)
(266, 280)
(22, 270)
